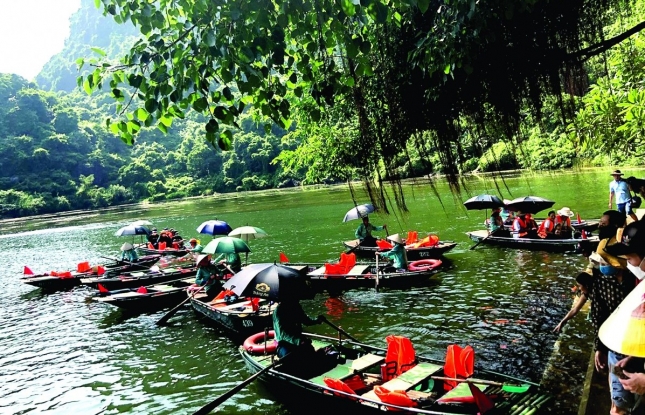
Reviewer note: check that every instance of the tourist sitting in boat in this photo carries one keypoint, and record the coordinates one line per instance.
(128, 253)
(563, 223)
(206, 277)
(166, 237)
(496, 222)
(153, 238)
(177, 240)
(547, 227)
(229, 260)
(396, 254)
(524, 226)
(288, 319)
(364, 232)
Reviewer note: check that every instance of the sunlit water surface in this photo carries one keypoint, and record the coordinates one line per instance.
(64, 354)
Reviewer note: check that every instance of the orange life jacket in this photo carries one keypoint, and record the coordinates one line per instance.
(567, 222)
(542, 231)
(523, 229)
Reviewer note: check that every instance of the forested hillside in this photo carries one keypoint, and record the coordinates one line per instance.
(57, 153)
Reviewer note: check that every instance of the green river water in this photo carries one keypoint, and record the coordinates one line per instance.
(64, 354)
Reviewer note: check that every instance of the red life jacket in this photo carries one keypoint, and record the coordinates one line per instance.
(543, 230)
(567, 222)
(523, 230)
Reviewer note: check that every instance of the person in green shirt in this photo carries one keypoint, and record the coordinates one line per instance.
(364, 232)
(207, 277)
(397, 253)
(288, 319)
(233, 261)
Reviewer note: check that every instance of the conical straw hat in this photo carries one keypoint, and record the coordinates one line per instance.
(127, 246)
(624, 330)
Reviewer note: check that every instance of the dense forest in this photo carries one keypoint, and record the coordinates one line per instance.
(58, 153)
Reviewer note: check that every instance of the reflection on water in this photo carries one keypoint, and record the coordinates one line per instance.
(64, 354)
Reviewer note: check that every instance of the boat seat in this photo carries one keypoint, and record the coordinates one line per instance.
(358, 270)
(349, 368)
(407, 380)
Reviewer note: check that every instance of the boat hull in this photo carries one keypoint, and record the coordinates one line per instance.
(539, 244)
(53, 283)
(168, 251)
(300, 391)
(140, 279)
(237, 322)
(156, 297)
(413, 254)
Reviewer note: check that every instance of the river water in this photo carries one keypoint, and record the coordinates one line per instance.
(65, 354)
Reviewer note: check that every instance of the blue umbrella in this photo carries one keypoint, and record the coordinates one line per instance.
(214, 227)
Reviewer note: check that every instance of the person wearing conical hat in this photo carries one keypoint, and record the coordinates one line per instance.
(397, 253)
(128, 253)
(207, 276)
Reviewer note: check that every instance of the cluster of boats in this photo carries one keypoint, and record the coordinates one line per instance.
(354, 375)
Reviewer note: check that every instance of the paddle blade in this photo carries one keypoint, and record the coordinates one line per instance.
(27, 271)
(283, 258)
(484, 404)
(516, 388)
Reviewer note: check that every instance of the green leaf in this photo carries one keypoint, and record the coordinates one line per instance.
(225, 141)
(97, 3)
(348, 7)
(166, 120)
(446, 70)
(423, 5)
(151, 105)
(142, 114)
(200, 105)
(98, 51)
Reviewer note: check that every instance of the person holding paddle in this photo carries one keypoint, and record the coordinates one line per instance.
(397, 253)
(364, 232)
(206, 276)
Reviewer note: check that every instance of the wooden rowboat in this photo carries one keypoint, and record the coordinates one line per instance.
(144, 249)
(533, 244)
(363, 275)
(151, 297)
(69, 279)
(141, 279)
(360, 365)
(237, 318)
(413, 254)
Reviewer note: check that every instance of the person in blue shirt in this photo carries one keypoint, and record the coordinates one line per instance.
(397, 253)
(364, 232)
(620, 189)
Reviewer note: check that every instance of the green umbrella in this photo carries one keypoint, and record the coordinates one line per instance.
(226, 245)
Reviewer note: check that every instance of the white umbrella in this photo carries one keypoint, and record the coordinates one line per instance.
(141, 222)
(132, 230)
(359, 212)
(246, 233)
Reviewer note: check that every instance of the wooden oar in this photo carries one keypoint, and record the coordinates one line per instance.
(346, 334)
(206, 409)
(505, 387)
(172, 312)
(376, 281)
(132, 264)
(482, 240)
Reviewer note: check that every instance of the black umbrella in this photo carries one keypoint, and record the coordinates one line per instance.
(271, 281)
(481, 202)
(529, 204)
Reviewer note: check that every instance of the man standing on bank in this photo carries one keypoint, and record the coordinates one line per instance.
(620, 189)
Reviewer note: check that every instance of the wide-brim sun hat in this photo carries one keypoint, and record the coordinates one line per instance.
(396, 238)
(624, 330)
(565, 211)
(616, 173)
(127, 246)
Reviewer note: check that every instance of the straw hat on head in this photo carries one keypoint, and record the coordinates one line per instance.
(565, 211)
(624, 329)
(616, 173)
(127, 246)
(396, 238)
